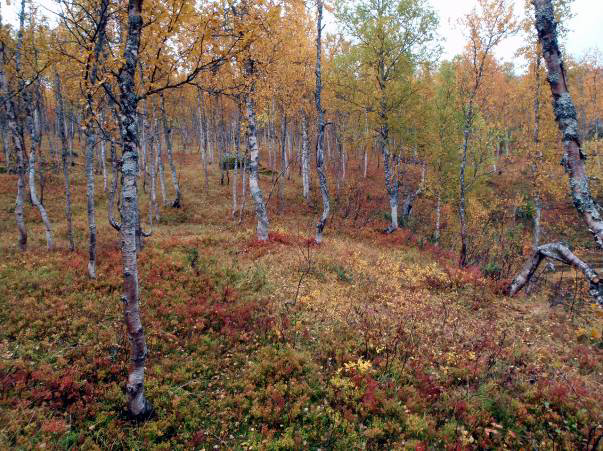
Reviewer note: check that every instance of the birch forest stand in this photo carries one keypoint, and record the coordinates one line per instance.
(221, 227)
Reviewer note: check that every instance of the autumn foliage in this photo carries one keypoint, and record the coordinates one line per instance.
(364, 340)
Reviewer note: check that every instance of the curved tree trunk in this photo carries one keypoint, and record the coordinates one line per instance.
(561, 253)
(566, 117)
(35, 141)
(573, 159)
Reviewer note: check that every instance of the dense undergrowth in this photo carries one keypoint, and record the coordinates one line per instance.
(386, 345)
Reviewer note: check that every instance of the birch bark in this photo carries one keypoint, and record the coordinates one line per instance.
(322, 178)
(167, 130)
(305, 156)
(35, 147)
(64, 157)
(254, 154)
(16, 125)
(138, 406)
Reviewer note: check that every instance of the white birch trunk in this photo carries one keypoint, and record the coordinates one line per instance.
(138, 406)
(160, 162)
(65, 158)
(305, 157)
(283, 171)
(436, 235)
(90, 142)
(16, 126)
(35, 137)
(254, 154)
(103, 154)
(235, 181)
(167, 129)
(203, 141)
(322, 178)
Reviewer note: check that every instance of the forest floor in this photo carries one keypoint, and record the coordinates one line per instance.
(367, 341)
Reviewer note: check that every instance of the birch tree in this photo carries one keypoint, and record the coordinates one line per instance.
(16, 124)
(60, 112)
(254, 153)
(390, 37)
(167, 132)
(138, 406)
(322, 178)
(3, 100)
(573, 160)
(305, 156)
(488, 25)
(245, 18)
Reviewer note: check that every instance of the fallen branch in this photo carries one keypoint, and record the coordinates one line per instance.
(561, 253)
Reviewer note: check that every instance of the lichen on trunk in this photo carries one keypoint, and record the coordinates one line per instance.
(138, 406)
